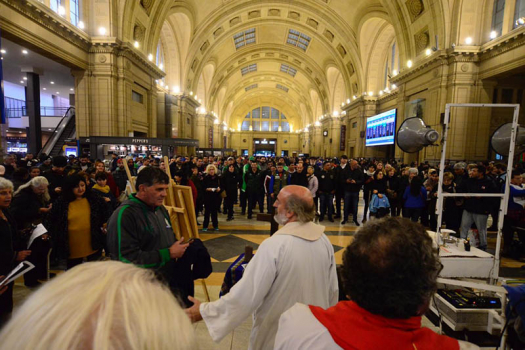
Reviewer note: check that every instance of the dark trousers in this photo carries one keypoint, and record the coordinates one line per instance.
(351, 200)
(339, 198)
(509, 227)
(199, 203)
(452, 217)
(412, 213)
(366, 196)
(243, 198)
(269, 202)
(228, 205)
(77, 261)
(39, 250)
(395, 208)
(260, 200)
(253, 199)
(424, 215)
(327, 204)
(381, 213)
(211, 206)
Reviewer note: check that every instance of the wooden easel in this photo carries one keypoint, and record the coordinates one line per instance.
(180, 206)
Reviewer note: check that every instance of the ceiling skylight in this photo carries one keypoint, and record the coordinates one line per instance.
(284, 88)
(249, 69)
(244, 38)
(298, 39)
(287, 69)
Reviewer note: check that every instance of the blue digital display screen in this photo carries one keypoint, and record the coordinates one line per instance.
(381, 129)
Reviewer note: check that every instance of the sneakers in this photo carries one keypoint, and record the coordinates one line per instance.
(344, 222)
(356, 223)
(229, 219)
(216, 229)
(204, 230)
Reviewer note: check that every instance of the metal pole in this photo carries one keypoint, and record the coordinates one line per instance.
(505, 200)
(439, 206)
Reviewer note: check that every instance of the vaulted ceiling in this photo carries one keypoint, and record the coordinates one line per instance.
(307, 57)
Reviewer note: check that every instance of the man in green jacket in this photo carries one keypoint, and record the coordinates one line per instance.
(140, 232)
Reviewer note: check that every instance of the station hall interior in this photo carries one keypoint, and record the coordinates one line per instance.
(270, 78)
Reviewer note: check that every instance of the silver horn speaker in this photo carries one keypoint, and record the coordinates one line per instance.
(414, 134)
(500, 140)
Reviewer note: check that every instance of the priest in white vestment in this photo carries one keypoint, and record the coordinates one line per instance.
(390, 276)
(295, 265)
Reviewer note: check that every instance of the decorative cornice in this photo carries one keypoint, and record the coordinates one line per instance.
(388, 96)
(127, 51)
(44, 16)
(435, 60)
(503, 44)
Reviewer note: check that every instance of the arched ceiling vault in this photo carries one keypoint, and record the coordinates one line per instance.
(203, 31)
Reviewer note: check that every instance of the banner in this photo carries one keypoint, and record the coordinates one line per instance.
(343, 138)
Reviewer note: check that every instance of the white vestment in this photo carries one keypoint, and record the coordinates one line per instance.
(296, 264)
(299, 329)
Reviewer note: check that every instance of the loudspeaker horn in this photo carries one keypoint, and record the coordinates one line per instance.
(500, 140)
(413, 135)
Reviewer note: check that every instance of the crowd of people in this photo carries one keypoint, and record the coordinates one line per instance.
(87, 209)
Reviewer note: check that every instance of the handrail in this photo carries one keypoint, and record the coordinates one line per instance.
(44, 112)
(48, 147)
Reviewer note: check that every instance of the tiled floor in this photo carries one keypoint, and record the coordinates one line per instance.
(229, 242)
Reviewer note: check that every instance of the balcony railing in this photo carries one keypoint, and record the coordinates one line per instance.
(44, 112)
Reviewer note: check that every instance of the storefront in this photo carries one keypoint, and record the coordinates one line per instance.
(100, 147)
(216, 152)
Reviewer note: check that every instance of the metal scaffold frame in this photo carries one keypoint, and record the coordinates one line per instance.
(504, 197)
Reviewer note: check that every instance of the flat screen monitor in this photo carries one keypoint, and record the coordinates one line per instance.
(381, 129)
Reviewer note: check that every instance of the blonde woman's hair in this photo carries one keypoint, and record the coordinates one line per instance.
(35, 182)
(209, 167)
(100, 305)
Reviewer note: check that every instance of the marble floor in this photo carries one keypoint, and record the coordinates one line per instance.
(229, 242)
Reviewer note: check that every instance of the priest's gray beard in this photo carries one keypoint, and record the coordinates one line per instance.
(281, 219)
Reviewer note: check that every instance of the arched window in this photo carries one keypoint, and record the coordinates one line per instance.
(497, 16)
(519, 13)
(160, 56)
(391, 64)
(74, 14)
(265, 119)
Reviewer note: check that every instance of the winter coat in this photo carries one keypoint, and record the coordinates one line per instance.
(56, 223)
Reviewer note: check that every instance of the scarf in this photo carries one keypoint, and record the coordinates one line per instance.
(104, 189)
(352, 327)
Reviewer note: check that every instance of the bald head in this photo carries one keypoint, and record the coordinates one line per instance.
(296, 203)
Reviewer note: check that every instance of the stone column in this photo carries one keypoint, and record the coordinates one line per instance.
(335, 136)
(318, 140)
(34, 138)
(82, 103)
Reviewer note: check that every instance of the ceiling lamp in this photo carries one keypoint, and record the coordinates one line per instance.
(409, 63)
(81, 25)
(102, 31)
(468, 41)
